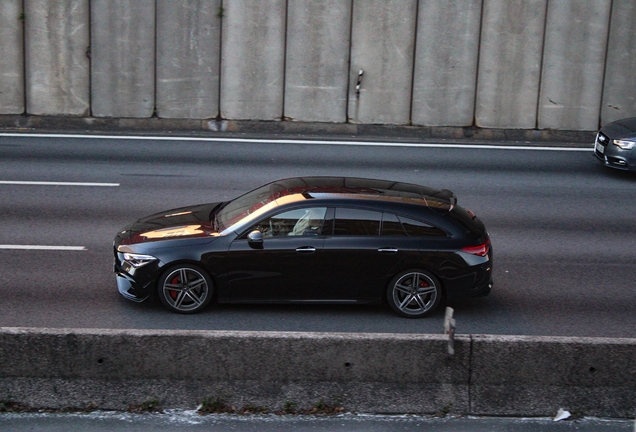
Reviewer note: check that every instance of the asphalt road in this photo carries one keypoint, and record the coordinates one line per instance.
(562, 227)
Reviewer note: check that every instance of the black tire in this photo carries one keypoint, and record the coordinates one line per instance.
(185, 288)
(414, 293)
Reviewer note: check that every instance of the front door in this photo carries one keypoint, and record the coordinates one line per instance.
(287, 266)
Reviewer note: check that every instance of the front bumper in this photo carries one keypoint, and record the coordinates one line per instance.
(135, 283)
(613, 156)
(128, 288)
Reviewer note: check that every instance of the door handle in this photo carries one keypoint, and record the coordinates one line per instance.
(306, 249)
(388, 250)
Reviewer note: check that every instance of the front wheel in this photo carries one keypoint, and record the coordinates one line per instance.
(414, 293)
(185, 288)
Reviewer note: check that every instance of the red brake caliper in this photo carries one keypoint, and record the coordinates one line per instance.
(173, 293)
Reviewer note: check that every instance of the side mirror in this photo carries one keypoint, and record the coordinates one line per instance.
(255, 239)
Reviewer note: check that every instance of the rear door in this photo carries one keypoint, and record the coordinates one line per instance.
(360, 257)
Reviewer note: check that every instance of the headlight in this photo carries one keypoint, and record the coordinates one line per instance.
(138, 260)
(625, 144)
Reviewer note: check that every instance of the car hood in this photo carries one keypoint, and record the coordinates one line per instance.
(183, 222)
(625, 128)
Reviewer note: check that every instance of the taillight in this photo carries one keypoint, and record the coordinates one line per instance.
(479, 250)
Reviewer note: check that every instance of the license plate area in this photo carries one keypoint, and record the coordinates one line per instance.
(600, 148)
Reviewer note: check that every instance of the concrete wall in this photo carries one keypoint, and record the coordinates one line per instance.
(123, 58)
(446, 62)
(381, 373)
(382, 45)
(57, 65)
(253, 59)
(188, 58)
(497, 64)
(510, 63)
(317, 62)
(12, 55)
(619, 92)
(573, 64)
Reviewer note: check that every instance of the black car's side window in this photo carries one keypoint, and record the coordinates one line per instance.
(298, 222)
(357, 222)
(391, 225)
(416, 228)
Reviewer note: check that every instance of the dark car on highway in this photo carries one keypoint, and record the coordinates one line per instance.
(615, 144)
(310, 240)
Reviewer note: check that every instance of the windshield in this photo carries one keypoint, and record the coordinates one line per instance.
(247, 204)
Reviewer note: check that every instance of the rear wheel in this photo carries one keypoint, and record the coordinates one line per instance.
(414, 293)
(185, 288)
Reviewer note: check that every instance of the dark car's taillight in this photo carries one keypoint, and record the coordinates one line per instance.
(479, 250)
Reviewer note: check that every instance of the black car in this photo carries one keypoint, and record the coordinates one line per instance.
(615, 144)
(310, 240)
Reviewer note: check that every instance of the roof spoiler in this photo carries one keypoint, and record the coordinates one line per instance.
(450, 196)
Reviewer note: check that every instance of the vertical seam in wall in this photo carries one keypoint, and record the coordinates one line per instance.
(417, 20)
(218, 96)
(470, 374)
(347, 96)
(24, 58)
(545, 27)
(609, 30)
(478, 60)
(89, 54)
(154, 111)
(282, 114)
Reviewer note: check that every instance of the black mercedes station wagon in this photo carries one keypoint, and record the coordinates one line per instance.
(310, 240)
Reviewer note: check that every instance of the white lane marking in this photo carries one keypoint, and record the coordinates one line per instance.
(310, 142)
(38, 247)
(46, 183)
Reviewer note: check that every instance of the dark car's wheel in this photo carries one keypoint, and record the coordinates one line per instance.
(414, 293)
(185, 288)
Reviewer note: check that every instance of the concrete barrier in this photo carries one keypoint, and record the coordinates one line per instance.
(446, 62)
(380, 373)
(188, 58)
(122, 58)
(573, 64)
(510, 64)
(12, 55)
(619, 92)
(57, 64)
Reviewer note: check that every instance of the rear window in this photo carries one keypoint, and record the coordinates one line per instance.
(467, 221)
(416, 228)
(357, 222)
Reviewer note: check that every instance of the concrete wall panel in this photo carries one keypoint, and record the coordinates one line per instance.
(383, 40)
(619, 93)
(188, 56)
(317, 61)
(12, 55)
(526, 375)
(446, 62)
(57, 65)
(253, 59)
(573, 64)
(123, 58)
(510, 63)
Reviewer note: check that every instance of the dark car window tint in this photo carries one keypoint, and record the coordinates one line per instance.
(357, 222)
(417, 228)
(391, 225)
